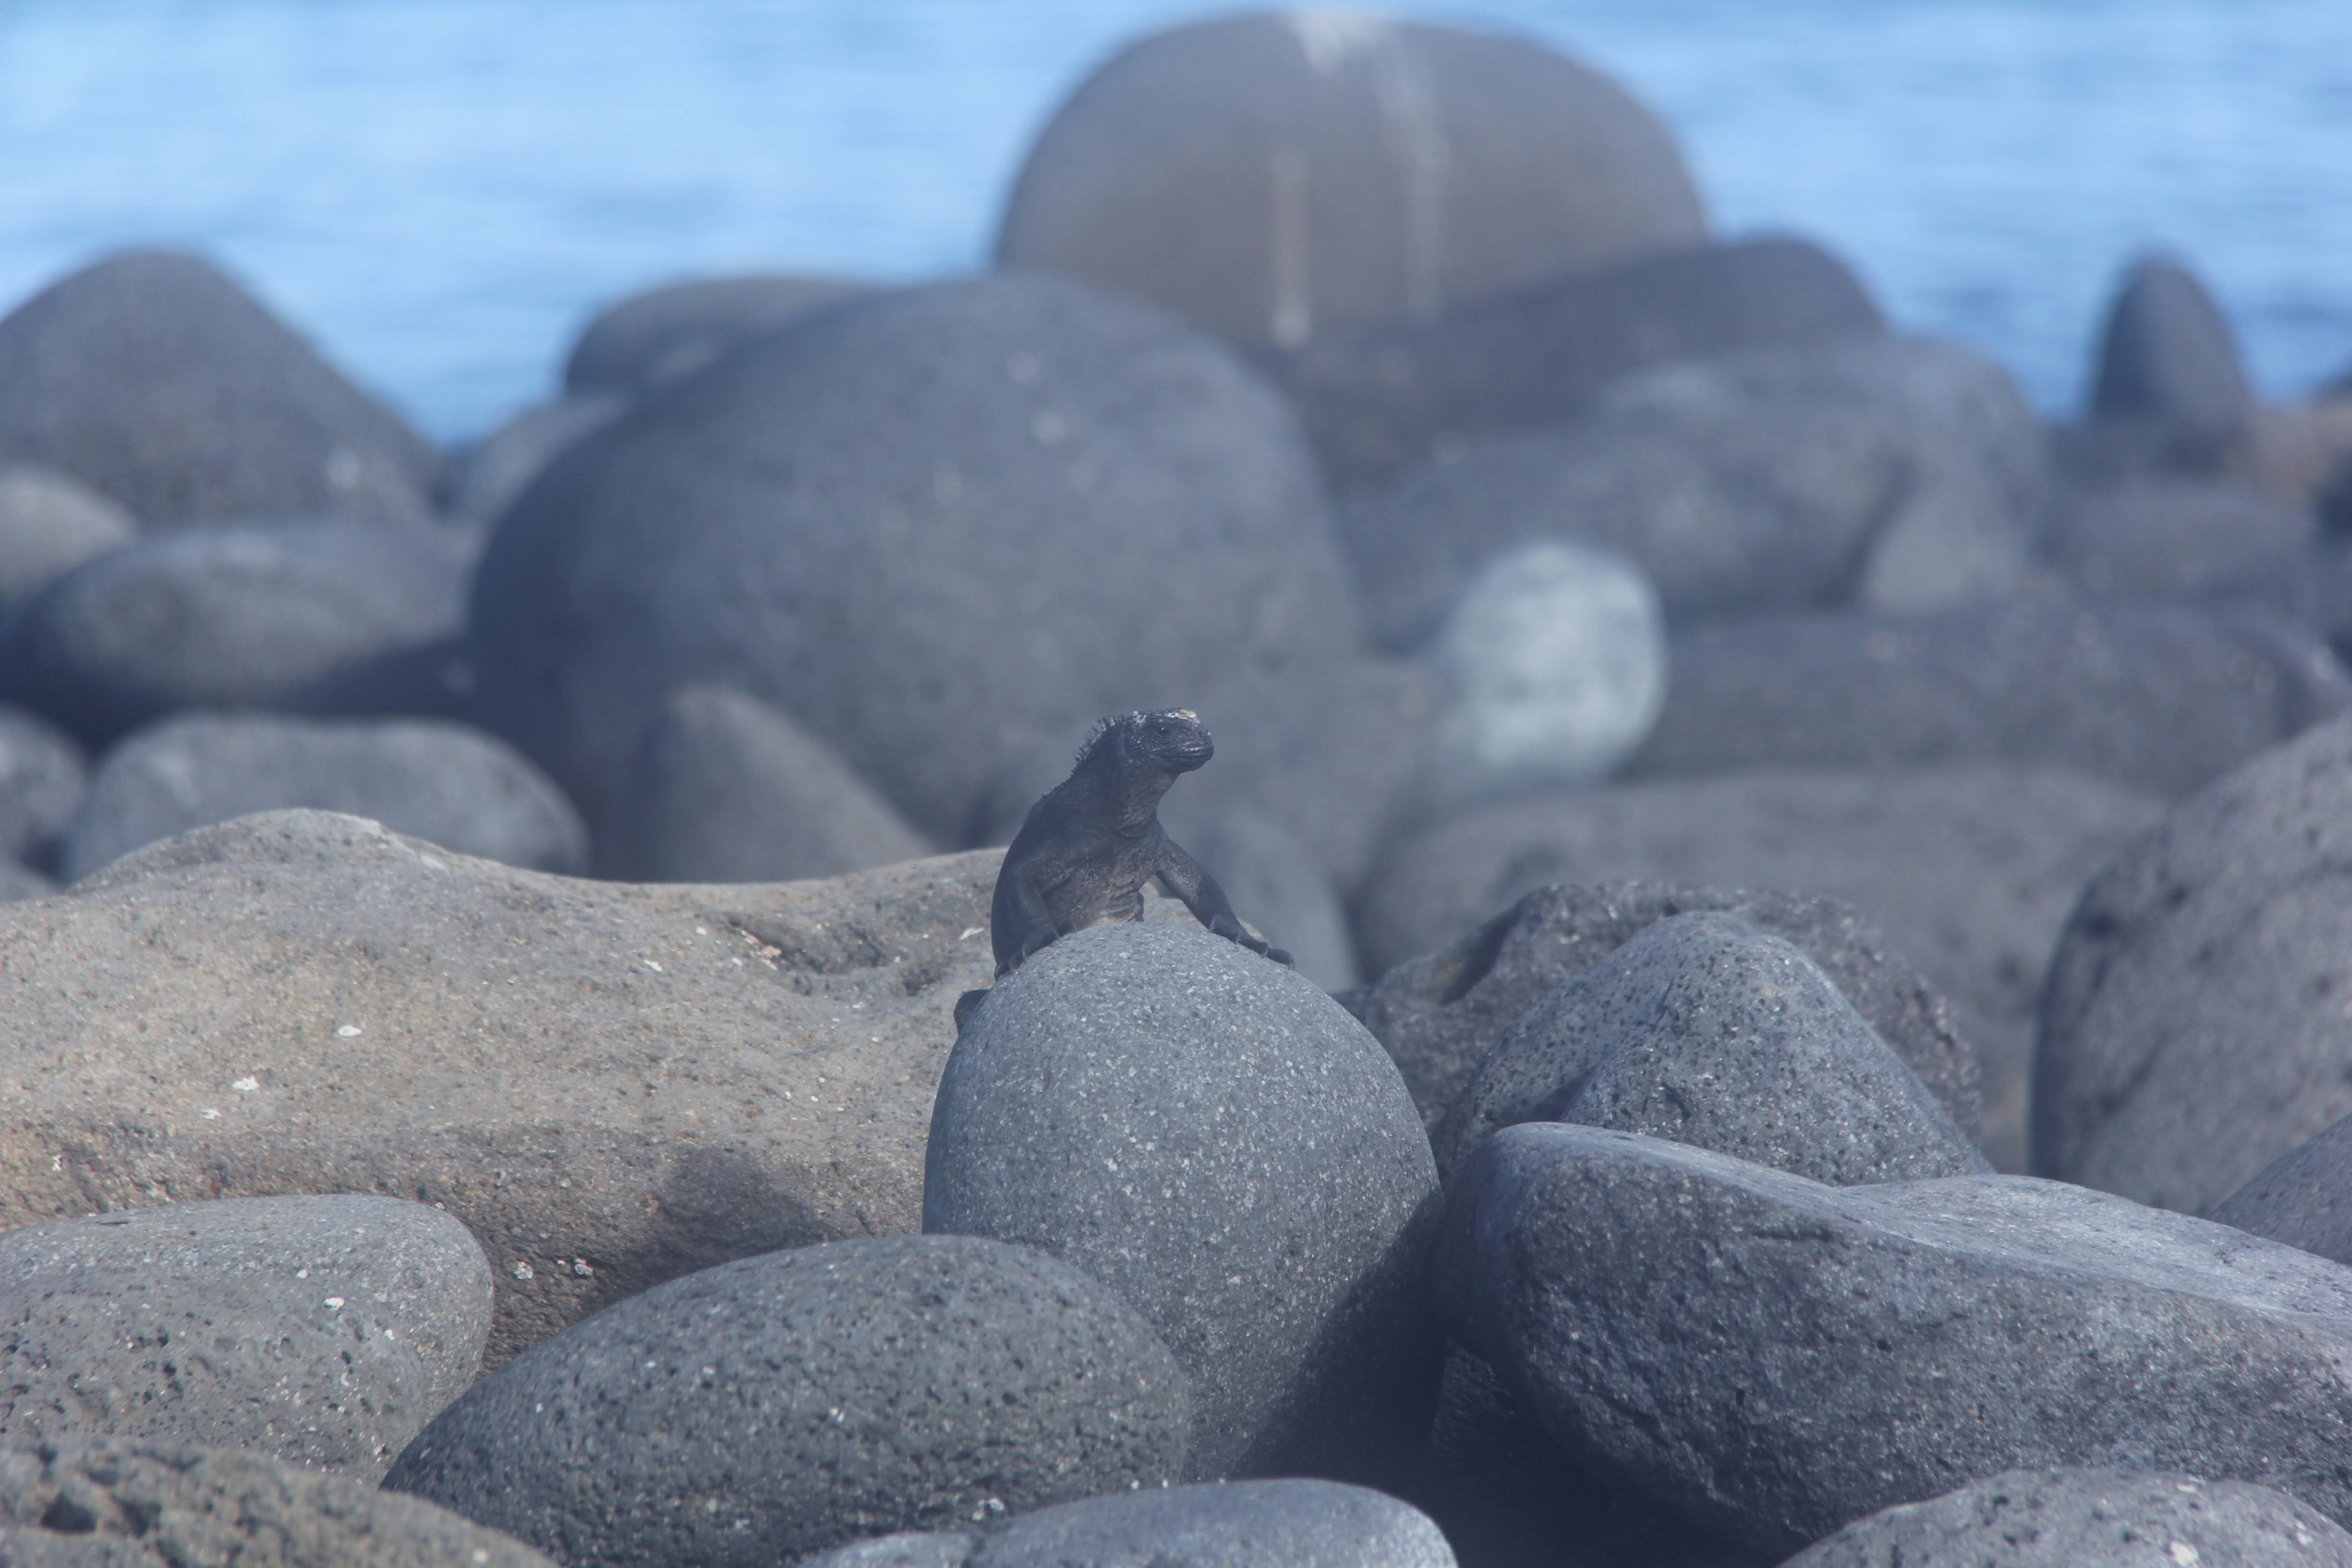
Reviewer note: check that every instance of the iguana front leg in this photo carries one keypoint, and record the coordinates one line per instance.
(1189, 880)
(1037, 925)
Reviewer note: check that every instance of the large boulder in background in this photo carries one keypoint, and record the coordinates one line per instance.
(49, 524)
(642, 343)
(2302, 1198)
(446, 782)
(919, 524)
(1970, 871)
(2173, 534)
(226, 617)
(42, 777)
(484, 479)
(324, 1330)
(1281, 177)
(156, 380)
(2162, 698)
(2199, 1015)
(1218, 1141)
(1377, 401)
(750, 1414)
(1901, 472)
(2168, 358)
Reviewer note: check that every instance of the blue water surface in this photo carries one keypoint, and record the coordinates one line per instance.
(438, 190)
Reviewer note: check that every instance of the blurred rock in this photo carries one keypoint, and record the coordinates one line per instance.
(484, 481)
(812, 1396)
(2166, 357)
(428, 779)
(2195, 1027)
(1280, 891)
(1218, 1141)
(2169, 536)
(2302, 1198)
(1553, 667)
(19, 881)
(430, 679)
(1278, 178)
(51, 524)
(2156, 697)
(322, 1331)
(1706, 1031)
(42, 777)
(1776, 1358)
(227, 617)
(144, 1505)
(1376, 402)
(157, 380)
(1760, 479)
(1970, 871)
(2066, 1517)
(642, 343)
(1440, 1015)
(929, 525)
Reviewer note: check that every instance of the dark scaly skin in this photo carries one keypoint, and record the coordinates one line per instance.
(1087, 849)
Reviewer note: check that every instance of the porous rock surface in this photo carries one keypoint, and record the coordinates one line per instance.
(2302, 1198)
(781, 1404)
(449, 784)
(608, 1085)
(1703, 1030)
(156, 380)
(920, 524)
(2195, 1025)
(1280, 178)
(151, 1505)
(321, 1330)
(1217, 1141)
(1777, 1358)
(2064, 1517)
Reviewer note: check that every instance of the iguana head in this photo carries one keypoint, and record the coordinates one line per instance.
(1173, 740)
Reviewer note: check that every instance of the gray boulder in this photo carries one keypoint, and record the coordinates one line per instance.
(1375, 403)
(727, 789)
(642, 343)
(1440, 1015)
(2194, 1028)
(2173, 534)
(224, 617)
(160, 382)
(42, 777)
(49, 524)
(144, 1505)
(1280, 178)
(1971, 872)
(779, 1406)
(2167, 356)
(1776, 1358)
(2066, 1517)
(2156, 697)
(485, 480)
(1769, 477)
(929, 525)
(446, 782)
(1214, 1139)
(1706, 1031)
(322, 1331)
(2302, 1198)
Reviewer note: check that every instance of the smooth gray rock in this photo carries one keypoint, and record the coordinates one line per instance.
(157, 380)
(1765, 478)
(642, 343)
(445, 782)
(2302, 1198)
(147, 1505)
(725, 788)
(1706, 1031)
(906, 1549)
(322, 1331)
(1776, 1358)
(485, 480)
(1377, 402)
(929, 525)
(2166, 355)
(1217, 1141)
(1970, 871)
(226, 617)
(2173, 534)
(1279, 889)
(2067, 1518)
(2156, 697)
(1440, 1015)
(49, 524)
(42, 776)
(779, 1406)
(1279, 178)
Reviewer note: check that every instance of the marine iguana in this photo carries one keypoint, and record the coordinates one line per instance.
(1091, 842)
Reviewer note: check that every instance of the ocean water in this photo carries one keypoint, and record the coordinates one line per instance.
(437, 191)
